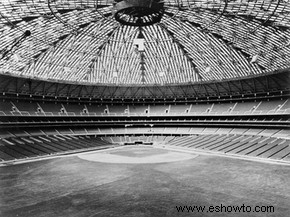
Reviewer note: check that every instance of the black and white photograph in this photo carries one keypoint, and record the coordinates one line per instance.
(144, 108)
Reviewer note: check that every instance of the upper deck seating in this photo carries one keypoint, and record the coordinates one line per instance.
(97, 109)
(245, 107)
(75, 109)
(52, 108)
(25, 106)
(285, 107)
(269, 106)
(200, 108)
(118, 109)
(179, 109)
(159, 109)
(138, 109)
(6, 107)
(21, 107)
(221, 108)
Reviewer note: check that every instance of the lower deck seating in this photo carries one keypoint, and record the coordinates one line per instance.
(65, 131)
(29, 145)
(12, 149)
(246, 145)
(79, 131)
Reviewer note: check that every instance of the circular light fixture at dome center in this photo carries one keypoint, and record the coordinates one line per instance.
(138, 12)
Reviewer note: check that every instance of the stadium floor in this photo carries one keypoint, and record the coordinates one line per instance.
(75, 187)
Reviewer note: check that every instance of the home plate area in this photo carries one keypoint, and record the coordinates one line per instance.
(136, 155)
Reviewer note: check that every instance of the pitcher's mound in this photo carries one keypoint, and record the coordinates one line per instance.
(137, 155)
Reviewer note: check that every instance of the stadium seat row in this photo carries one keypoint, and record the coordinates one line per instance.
(15, 148)
(145, 131)
(245, 145)
(50, 108)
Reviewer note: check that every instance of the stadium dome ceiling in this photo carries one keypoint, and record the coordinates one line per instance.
(195, 40)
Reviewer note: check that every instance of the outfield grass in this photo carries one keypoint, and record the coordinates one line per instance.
(74, 187)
